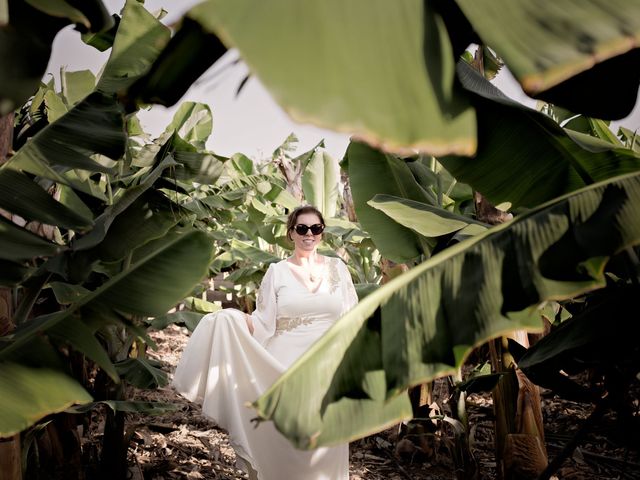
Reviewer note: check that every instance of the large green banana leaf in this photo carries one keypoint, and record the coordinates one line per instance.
(320, 183)
(525, 157)
(193, 123)
(162, 272)
(29, 394)
(26, 36)
(372, 172)
(95, 125)
(11, 273)
(425, 219)
(189, 53)
(147, 218)
(128, 197)
(381, 70)
(140, 39)
(76, 85)
(22, 196)
(546, 42)
(19, 244)
(422, 324)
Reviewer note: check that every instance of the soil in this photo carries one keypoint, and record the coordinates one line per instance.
(186, 445)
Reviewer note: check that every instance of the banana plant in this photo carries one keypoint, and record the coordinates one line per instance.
(27, 31)
(83, 168)
(470, 292)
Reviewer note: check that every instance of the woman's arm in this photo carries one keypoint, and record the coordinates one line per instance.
(249, 320)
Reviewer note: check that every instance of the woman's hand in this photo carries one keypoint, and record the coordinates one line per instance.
(249, 321)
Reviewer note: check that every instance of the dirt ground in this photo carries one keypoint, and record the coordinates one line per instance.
(186, 445)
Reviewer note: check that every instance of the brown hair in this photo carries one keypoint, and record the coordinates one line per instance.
(292, 220)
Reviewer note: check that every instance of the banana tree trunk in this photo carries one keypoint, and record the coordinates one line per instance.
(10, 452)
(520, 450)
(347, 197)
(6, 136)
(10, 465)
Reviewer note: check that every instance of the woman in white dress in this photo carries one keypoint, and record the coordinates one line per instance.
(232, 357)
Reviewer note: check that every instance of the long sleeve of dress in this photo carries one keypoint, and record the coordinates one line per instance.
(264, 316)
(349, 295)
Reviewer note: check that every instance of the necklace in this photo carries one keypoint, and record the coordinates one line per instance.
(313, 275)
(312, 271)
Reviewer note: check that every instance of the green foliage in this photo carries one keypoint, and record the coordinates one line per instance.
(382, 70)
(472, 291)
(29, 394)
(111, 235)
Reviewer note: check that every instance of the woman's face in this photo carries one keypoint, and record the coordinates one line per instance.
(307, 242)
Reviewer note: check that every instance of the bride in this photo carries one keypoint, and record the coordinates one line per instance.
(232, 357)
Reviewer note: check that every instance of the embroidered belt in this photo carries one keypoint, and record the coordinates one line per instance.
(286, 324)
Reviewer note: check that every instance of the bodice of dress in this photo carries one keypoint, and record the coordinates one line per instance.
(289, 317)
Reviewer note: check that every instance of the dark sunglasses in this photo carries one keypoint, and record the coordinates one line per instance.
(302, 229)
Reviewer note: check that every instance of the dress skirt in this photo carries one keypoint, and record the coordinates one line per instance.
(224, 369)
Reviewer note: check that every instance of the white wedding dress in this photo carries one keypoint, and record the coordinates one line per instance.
(223, 368)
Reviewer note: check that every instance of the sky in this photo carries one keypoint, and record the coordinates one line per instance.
(251, 122)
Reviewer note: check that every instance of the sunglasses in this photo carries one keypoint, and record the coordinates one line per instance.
(302, 229)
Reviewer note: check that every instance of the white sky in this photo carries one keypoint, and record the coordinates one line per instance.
(251, 123)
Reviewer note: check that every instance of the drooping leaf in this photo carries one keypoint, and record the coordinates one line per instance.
(75, 333)
(25, 42)
(430, 318)
(66, 293)
(77, 85)
(148, 408)
(254, 254)
(103, 40)
(192, 122)
(22, 196)
(562, 45)
(376, 69)
(152, 218)
(95, 125)
(87, 15)
(72, 201)
(11, 273)
(581, 341)
(138, 42)
(29, 394)
(54, 106)
(372, 172)
(190, 52)
(140, 373)
(18, 244)
(181, 258)
(201, 306)
(106, 218)
(194, 164)
(420, 217)
(242, 163)
(524, 157)
(480, 383)
(190, 320)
